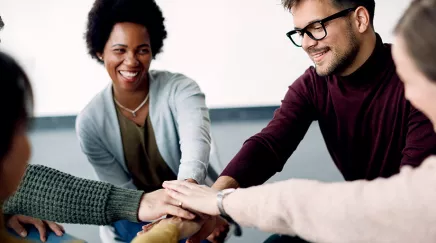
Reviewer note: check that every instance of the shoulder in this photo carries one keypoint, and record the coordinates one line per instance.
(172, 81)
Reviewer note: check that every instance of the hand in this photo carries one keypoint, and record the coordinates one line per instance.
(185, 227)
(219, 234)
(214, 230)
(156, 204)
(17, 222)
(197, 198)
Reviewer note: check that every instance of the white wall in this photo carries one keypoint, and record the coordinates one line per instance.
(235, 49)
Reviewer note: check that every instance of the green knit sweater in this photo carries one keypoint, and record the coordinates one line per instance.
(49, 194)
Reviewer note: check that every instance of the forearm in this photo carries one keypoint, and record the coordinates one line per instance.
(160, 233)
(254, 164)
(224, 182)
(192, 116)
(398, 209)
(49, 194)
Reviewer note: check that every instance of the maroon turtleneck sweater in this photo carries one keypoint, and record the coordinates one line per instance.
(370, 129)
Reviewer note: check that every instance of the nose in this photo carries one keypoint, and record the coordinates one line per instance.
(131, 60)
(308, 42)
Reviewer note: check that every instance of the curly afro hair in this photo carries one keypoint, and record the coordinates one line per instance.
(105, 14)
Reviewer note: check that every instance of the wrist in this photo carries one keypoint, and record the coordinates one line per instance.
(221, 195)
(123, 204)
(224, 182)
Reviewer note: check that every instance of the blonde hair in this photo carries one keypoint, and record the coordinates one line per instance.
(417, 27)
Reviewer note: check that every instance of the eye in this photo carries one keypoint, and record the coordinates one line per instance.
(119, 50)
(144, 51)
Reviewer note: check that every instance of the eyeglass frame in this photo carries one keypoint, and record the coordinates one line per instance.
(304, 30)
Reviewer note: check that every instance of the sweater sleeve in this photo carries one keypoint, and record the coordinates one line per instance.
(397, 209)
(49, 194)
(193, 124)
(266, 153)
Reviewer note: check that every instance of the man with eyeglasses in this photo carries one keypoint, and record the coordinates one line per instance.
(353, 92)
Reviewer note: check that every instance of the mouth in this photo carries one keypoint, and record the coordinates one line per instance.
(129, 76)
(318, 56)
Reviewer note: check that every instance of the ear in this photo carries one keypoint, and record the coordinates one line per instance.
(363, 21)
(100, 56)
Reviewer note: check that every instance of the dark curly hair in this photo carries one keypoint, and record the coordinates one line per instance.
(105, 14)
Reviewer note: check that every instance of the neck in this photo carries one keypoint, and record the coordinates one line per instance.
(365, 51)
(131, 99)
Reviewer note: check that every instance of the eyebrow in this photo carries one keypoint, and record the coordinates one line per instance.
(311, 22)
(125, 46)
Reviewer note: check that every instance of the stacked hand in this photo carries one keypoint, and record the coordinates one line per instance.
(197, 198)
(158, 203)
(185, 227)
(200, 200)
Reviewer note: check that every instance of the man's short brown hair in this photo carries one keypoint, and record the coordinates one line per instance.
(341, 4)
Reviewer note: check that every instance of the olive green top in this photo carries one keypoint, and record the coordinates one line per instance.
(143, 160)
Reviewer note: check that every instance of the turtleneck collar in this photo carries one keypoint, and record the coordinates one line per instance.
(371, 69)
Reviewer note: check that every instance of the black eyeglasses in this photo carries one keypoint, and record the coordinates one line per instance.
(315, 30)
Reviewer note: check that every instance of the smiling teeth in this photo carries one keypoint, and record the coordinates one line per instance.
(128, 74)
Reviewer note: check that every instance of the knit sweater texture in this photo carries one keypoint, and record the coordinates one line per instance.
(49, 194)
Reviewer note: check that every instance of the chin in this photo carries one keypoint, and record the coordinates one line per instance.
(322, 71)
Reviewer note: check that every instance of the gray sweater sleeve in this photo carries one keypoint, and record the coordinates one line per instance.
(49, 194)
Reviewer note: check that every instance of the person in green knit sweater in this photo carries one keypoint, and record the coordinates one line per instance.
(48, 194)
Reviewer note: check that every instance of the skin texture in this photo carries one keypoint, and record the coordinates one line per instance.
(128, 49)
(342, 51)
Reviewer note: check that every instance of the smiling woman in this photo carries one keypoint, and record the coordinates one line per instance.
(146, 126)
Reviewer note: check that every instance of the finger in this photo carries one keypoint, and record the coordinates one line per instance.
(62, 228)
(179, 187)
(175, 197)
(14, 224)
(40, 226)
(56, 228)
(181, 183)
(179, 212)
